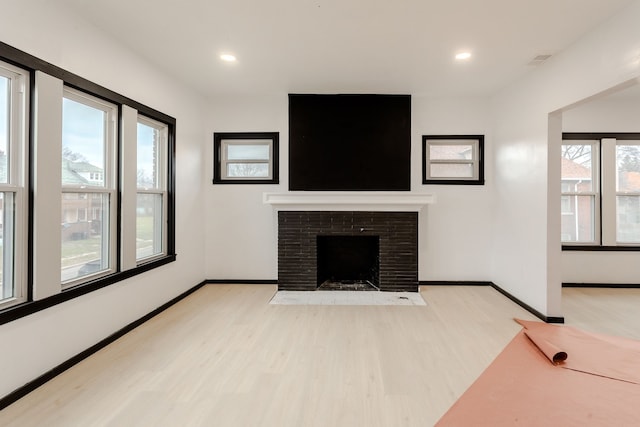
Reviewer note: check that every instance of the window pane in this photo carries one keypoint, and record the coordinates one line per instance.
(247, 170)
(5, 99)
(578, 219)
(84, 241)
(451, 170)
(628, 215)
(566, 204)
(83, 144)
(7, 284)
(149, 224)
(148, 146)
(577, 175)
(248, 152)
(628, 163)
(451, 152)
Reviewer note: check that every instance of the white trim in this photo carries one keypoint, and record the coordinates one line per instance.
(348, 201)
(129, 171)
(608, 174)
(47, 208)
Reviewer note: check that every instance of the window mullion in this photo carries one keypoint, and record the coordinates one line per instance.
(69, 189)
(453, 161)
(47, 206)
(129, 174)
(151, 191)
(579, 193)
(608, 185)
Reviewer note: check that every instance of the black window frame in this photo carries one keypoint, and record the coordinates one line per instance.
(33, 64)
(218, 137)
(453, 181)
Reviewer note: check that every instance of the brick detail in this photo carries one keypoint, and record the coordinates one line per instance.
(398, 233)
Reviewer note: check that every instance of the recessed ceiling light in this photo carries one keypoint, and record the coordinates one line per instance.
(463, 55)
(228, 57)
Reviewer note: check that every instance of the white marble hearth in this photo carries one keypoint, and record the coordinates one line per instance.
(347, 298)
(348, 201)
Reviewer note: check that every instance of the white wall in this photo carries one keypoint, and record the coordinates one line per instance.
(241, 231)
(609, 113)
(455, 236)
(527, 260)
(613, 113)
(34, 344)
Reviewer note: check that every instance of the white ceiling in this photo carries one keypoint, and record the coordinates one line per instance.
(346, 46)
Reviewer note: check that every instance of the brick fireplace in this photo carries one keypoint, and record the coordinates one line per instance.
(398, 245)
(305, 219)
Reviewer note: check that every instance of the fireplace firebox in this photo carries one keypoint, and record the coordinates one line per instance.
(348, 262)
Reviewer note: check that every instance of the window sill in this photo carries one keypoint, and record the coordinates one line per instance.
(18, 311)
(596, 248)
(453, 181)
(246, 181)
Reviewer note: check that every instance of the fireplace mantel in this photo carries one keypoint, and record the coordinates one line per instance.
(348, 201)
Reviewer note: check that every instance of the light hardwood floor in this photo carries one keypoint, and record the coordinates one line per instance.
(225, 357)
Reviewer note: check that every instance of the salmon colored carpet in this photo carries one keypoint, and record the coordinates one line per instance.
(552, 375)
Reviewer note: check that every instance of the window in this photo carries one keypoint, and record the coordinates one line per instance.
(453, 159)
(152, 189)
(73, 229)
(601, 181)
(628, 192)
(14, 86)
(88, 183)
(249, 158)
(580, 194)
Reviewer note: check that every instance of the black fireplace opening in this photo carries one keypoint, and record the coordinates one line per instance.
(348, 262)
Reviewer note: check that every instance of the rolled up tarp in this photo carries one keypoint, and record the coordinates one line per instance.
(555, 354)
(596, 354)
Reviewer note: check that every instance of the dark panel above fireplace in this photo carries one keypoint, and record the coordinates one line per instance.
(398, 245)
(349, 142)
